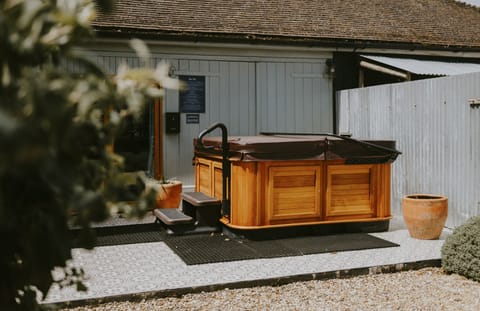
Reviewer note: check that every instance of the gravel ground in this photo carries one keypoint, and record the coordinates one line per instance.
(425, 289)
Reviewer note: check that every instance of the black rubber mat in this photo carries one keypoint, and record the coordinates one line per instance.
(129, 238)
(202, 249)
(119, 235)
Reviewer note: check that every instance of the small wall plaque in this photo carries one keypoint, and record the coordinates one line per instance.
(192, 118)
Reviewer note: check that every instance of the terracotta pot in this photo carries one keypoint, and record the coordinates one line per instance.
(169, 194)
(425, 215)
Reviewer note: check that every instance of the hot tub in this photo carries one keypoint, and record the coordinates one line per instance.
(285, 180)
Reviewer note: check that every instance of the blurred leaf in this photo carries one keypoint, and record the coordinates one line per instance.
(55, 128)
(7, 123)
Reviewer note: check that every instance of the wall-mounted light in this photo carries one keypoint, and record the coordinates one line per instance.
(474, 102)
(171, 71)
(330, 67)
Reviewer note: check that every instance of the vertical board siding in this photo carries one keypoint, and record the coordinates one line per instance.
(249, 96)
(294, 97)
(436, 130)
(228, 98)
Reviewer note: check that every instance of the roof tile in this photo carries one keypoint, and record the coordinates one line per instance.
(424, 22)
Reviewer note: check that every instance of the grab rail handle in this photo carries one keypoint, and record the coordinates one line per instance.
(225, 162)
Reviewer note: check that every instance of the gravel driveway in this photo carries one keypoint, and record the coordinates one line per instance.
(425, 289)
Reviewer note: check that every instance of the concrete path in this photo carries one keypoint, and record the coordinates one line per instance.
(153, 270)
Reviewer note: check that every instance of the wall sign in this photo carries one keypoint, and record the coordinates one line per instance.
(192, 118)
(192, 99)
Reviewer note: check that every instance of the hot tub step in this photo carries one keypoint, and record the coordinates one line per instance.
(172, 216)
(200, 199)
(174, 221)
(203, 208)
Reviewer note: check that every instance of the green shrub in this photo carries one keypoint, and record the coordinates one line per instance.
(461, 250)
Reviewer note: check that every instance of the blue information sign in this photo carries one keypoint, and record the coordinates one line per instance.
(192, 98)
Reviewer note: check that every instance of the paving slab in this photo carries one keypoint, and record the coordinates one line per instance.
(123, 272)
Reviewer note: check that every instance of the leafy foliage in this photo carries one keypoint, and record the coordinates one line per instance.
(461, 250)
(54, 159)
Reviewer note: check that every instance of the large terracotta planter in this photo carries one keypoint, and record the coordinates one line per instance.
(168, 194)
(425, 215)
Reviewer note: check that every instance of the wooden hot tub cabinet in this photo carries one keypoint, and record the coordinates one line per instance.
(281, 181)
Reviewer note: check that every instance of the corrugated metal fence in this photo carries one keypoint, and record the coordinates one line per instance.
(436, 129)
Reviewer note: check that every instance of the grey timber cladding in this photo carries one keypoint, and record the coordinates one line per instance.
(436, 129)
(249, 96)
(294, 97)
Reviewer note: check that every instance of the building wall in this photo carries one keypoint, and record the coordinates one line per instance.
(250, 89)
(434, 127)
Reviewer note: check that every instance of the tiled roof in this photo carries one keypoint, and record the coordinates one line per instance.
(437, 23)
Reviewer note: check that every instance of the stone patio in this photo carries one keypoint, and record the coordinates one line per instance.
(129, 271)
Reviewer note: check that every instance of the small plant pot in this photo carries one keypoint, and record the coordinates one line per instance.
(168, 194)
(425, 215)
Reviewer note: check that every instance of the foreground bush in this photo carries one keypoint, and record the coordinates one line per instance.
(461, 250)
(56, 127)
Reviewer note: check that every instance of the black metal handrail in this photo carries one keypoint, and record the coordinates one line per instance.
(225, 162)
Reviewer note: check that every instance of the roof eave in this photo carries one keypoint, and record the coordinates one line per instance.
(115, 32)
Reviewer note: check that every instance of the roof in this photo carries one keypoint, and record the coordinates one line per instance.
(472, 2)
(424, 23)
(426, 67)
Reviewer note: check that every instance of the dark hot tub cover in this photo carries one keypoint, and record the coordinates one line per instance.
(279, 147)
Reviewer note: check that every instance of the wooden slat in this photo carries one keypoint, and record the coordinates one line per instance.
(336, 192)
(244, 195)
(205, 182)
(383, 190)
(217, 180)
(293, 192)
(293, 203)
(298, 211)
(288, 182)
(351, 201)
(349, 191)
(365, 187)
(348, 179)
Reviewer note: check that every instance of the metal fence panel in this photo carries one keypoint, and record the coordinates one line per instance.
(437, 131)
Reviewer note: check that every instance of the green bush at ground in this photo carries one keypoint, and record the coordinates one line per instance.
(461, 250)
